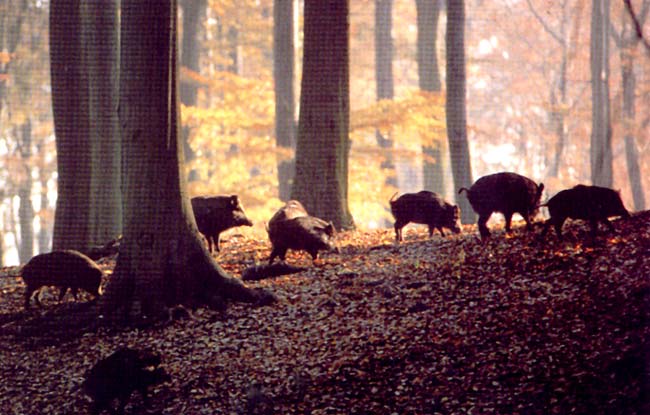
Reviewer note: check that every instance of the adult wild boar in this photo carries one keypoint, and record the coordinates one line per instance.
(216, 214)
(507, 193)
(591, 203)
(426, 208)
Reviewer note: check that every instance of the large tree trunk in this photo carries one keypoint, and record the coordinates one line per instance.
(455, 106)
(162, 261)
(321, 181)
(71, 126)
(100, 35)
(601, 130)
(433, 166)
(283, 74)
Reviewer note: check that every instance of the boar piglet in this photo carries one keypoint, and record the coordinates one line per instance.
(119, 375)
(426, 208)
(216, 214)
(507, 193)
(591, 203)
(64, 269)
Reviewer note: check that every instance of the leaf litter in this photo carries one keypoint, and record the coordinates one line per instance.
(512, 325)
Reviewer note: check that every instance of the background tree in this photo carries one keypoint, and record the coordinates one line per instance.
(101, 48)
(70, 111)
(627, 40)
(384, 79)
(601, 130)
(283, 76)
(321, 181)
(193, 15)
(433, 148)
(455, 107)
(162, 260)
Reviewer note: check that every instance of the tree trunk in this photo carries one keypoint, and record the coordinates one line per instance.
(26, 208)
(601, 130)
(283, 74)
(193, 12)
(433, 166)
(100, 40)
(162, 260)
(71, 126)
(384, 79)
(629, 40)
(456, 107)
(321, 181)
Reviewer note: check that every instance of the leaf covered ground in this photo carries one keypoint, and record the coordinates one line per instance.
(453, 325)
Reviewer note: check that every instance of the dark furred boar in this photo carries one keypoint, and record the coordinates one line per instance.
(63, 269)
(591, 203)
(305, 233)
(119, 375)
(427, 208)
(507, 193)
(216, 214)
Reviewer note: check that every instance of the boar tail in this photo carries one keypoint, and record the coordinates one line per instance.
(461, 190)
(392, 198)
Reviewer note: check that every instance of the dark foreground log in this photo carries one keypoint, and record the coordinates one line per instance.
(260, 272)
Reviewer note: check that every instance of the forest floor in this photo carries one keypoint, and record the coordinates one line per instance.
(453, 325)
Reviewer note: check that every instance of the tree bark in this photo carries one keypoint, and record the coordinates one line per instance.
(26, 208)
(71, 126)
(100, 40)
(162, 260)
(283, 74)
(321, 181)
(601, 130)
(433, 166)
(456, 106)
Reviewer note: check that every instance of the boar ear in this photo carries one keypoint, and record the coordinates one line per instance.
(540, 188)
(330, 226)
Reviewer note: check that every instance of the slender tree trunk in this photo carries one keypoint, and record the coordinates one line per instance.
(456, 107)
(26, 208)
(162, 261)
(283, 74)
(321, 181)
(71, 126)
(193, 13)
(101, 45)
(384, 79)
(629, 41)
(433, 166)
(601, 130)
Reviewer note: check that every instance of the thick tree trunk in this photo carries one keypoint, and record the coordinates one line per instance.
(162, 261)
(321, 181)
(100, 40)
(283, 74)
(26, 208)
(601, 130)
(433, 166)
(71, 126)
(456, 107)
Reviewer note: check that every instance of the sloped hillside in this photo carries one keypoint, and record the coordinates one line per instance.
(514, 325)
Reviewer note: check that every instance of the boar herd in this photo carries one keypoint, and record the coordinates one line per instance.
(291, 227)
(117, 376)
